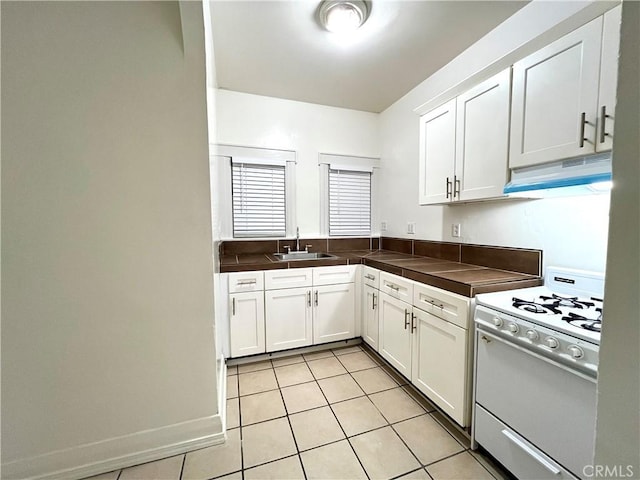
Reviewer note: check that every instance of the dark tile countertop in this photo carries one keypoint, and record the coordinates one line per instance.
(463, 278)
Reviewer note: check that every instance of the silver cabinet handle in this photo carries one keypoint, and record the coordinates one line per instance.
(603, 129)
(373, 303)
(448, 188)
(393, 287)
(413, 325)
(456, 186)
(406, 322)
(369, 277)
(233, 306)
(531, 452)
(583, 123)
(316, 298)
(308, 298)
(246, 282)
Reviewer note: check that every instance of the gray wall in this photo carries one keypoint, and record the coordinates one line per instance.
(107, 306)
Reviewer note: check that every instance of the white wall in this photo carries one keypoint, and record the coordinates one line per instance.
(533, 224)
(618, 424)
(307, 129)
(107, 340)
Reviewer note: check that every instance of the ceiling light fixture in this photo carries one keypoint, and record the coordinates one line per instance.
(343, 16)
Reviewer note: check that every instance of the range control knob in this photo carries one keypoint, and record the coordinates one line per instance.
(532, 335)
(551, 342)
(513, 328)
(575, 351)
(497, 321)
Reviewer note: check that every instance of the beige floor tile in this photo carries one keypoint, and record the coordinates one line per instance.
(256, 382)
(345, 350)
(383, 454)
(315, 427)
(261, 406)
(232, 386)
(358, 415)
(339, 388)
(214, 461)
(233, 413)
(105, 476)
(417, 475)
(427, 439)
(326, 367)
(333, 461)
(303, 397)
(255, 366)
(374, 380)
(285, 469)
(293, 374)
(316, 355)
(267, 441)
(165, 469)
(233, 370)
(422, 401)
(459, 467)
(281, 362)
(396, 405)
(357, 361)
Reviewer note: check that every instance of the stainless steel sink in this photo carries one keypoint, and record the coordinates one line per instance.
(301, 256)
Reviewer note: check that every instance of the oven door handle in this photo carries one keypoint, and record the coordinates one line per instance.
(520, 443)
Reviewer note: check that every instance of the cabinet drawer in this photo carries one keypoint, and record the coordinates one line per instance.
(333, 275)
(396, 286)
(449, 306)
(371, 277)
(290, 278)
(246, 282)
(523, 459)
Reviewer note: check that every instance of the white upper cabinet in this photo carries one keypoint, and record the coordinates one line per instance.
(555, 99)
(464, 144)
(608, 79)
(482, 139)
(437, 154)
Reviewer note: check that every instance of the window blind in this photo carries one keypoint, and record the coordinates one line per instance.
(349, 202)
(259, 208)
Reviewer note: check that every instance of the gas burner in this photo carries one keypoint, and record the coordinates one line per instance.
(584, 322)
(534, 307)
(571, 302)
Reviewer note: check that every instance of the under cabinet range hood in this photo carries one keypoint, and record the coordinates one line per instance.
(576, 176)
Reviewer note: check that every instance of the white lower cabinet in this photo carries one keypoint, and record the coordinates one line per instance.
(439, 363)
(370, 315)
(246, 323)
(334, 312)
(395, 333)
(288, 320)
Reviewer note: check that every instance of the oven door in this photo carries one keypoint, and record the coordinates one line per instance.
(548, 404)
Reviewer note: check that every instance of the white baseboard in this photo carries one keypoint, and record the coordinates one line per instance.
(120, 452)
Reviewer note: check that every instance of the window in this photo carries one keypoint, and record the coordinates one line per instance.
(259, 198)
(349, 203)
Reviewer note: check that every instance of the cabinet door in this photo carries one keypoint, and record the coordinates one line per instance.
(334, 313)
(437, 154)
(439, 365)
(246, 323)
(370, 326)
(395, 333)
(288, 318)
(482, 139)
(608, 79)
(552, 89)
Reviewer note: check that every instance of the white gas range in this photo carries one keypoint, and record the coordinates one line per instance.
(535, 374)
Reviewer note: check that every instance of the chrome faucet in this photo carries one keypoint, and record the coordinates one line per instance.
(297, 239)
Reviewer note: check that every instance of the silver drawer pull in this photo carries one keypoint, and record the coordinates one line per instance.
(393, 287)
(233, 306)
(531, 452)
(369, 277)
(246, 282)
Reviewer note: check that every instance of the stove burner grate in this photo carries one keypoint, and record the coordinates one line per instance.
(572, 302)
(584, 322)
(534, 307)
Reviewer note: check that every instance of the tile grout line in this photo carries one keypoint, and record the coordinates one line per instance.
(184, 459)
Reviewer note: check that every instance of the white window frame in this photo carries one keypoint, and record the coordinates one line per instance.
(328, 162)
(225, 154)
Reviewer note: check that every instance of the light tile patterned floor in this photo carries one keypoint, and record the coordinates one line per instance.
(336, 414)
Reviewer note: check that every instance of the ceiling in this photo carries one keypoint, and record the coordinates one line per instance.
(277, 49)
